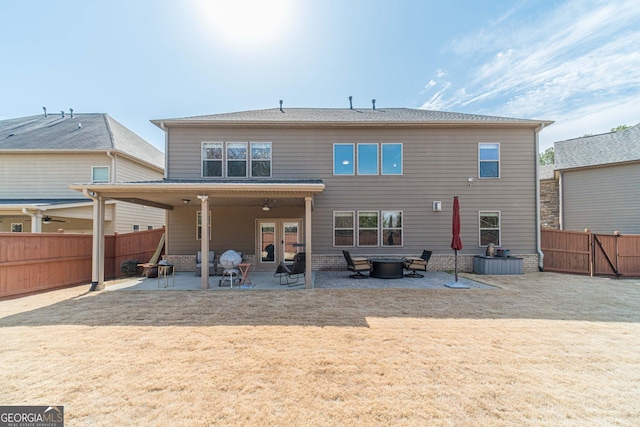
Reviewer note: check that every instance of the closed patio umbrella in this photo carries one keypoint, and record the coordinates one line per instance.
(456, 242)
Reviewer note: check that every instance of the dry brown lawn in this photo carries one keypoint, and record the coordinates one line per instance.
(542, 349)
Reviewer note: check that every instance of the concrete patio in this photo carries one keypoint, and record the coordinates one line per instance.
(185, 281)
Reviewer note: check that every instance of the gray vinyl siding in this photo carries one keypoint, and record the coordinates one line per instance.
(603, 199)
(437, 164)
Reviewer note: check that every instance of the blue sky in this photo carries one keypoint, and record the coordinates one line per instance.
(574, 62)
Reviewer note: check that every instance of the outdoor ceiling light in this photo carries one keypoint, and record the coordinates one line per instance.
(186, 201)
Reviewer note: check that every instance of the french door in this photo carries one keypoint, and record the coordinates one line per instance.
(277, 240)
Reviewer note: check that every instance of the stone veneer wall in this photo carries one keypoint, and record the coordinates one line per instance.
(438, 262)
(549, 204)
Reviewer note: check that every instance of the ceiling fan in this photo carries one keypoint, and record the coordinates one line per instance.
(267, 205)
(47, 219)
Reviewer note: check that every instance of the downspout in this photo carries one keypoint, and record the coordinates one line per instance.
(112, 178)
(538, 232)
(166, 150)
(34, 220)
(560, 200)
(95, 257)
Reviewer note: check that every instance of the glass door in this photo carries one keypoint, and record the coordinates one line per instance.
(278, 240)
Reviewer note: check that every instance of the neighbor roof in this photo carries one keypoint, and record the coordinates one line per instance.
(347, 116)
(82, 132)
(613, 147)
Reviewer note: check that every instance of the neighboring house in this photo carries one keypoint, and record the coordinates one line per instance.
(599, 182)
(41, 155)
(372, 181)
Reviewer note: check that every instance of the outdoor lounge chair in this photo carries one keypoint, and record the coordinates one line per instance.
(357, 265)
(212, 258)
(291, 273)
(416, 264)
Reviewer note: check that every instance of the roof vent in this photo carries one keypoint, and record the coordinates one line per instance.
(71, 111)
(62, 114)
(373, 101)
(351, 103)
(281, 106)
(45, 111)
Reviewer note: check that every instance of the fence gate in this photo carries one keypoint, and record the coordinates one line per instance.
(580, 252)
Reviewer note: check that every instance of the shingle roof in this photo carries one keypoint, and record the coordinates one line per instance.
(346, 115)
(606, 148)
(95, 131)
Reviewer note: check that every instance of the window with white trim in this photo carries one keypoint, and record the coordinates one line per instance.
(261, 159)
(99, 174)
(489, 228)
(372, 228)
(391, 228)
(344, 228)
(367, 159)
(343, 159)
(236, 159)
(16, 227)
(391, 159)
(489, 160)
(368, 228)
(135, 227)
(212, 159)
(199, 225)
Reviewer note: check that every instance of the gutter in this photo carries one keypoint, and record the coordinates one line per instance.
(538, 232)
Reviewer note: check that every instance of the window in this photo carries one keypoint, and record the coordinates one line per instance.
(236, 159)
(199, 225)
(367, 159)
(343, 228)
(372, 228)
(489, 228)
(391, 228)
(212, 159)
(135, 227)
(261, 159)
(16, 227)
(367, 228)
(343, 159)
(239, 162)
(149, 227)
(368, 153)
(100, 174)
(489, 160)
(391, 159)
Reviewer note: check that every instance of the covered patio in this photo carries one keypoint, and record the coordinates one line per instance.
(172, 195)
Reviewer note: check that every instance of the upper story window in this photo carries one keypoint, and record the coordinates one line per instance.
(489, 160)
(261, 159)
(391, 159)
(100, 174)
(367, 159)
(236, 159)
(489, 228)
(212, 159)
(344, 159)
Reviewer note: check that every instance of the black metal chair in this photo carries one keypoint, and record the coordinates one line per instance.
(291, 273)
(357, 265)
(416, 264)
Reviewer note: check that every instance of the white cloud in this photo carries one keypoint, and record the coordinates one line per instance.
(578, 64)
(431, 83)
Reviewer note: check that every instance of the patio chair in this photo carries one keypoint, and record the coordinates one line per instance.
(291, 274)
(212, 269)
(357, 265)
(416, 264)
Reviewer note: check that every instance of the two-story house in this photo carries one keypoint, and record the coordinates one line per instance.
(41, 155)
(270, 183)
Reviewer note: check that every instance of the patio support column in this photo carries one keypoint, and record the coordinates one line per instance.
(308, 275)
(204, 225)
(97, 255)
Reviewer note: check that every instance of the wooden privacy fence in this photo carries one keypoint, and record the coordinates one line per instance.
(590, 253)
(32, 262)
